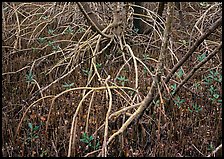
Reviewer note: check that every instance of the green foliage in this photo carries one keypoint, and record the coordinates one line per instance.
(173, 87)
(51, 31)
(32, 135)
(55, 48)
(178, 101)
(201, 57)
(29, 77)
(196, 85)
(68, 86)
(212, 89)
(81, 29)
(98, 65)
(210, 147)
(44, 153)
(215, 75)
(180, 73)
(89, 141)
(86, 72)
(69, 30)
(196, 107)
(136, 30)
(122, 79)
(50, 43)
(41, 40)
(45, 17)
(146, 57)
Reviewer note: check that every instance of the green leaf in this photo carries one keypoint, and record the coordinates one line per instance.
(51, 31)
(180, 73)
(190, 110)
(35, 137)
(30, 126)
(36, 128)
(98, 65)
(84, 141)
(50, 43)
(173, 87)
(97, 145)
(41, 40)
(216, 96)
(91, 138)
(201, 57)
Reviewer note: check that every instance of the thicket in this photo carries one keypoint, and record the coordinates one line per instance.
(111, 79)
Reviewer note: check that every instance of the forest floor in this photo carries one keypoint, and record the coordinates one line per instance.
(62, 83)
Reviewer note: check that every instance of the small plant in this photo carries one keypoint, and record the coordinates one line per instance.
(50, 43)
(196, 107)
(196, 85)
(122, 79)
(210, 147)
(131, 92)
(173, 87)
(56, 48)
(89, 141)
(43, 153)
(29, 77)
(212, 89)
(146, 57)
(136, 30)
(204, 4)
(201, 57)
(86, 72)
(69, 30)
(81, 29)
(98, 65)
(45, 17)
(68, 86)
(41, 40)
(215, 76)
(180, 73)
(33, 135)
(207, 81)
(51, 31)
(179, 101)
(215, 97)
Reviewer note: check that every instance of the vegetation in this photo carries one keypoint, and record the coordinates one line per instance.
(132, 79)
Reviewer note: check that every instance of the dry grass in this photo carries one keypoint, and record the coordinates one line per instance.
(55, 85)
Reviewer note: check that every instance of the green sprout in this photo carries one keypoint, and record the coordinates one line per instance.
(122, 79)
(29, 77)
(179, 101)
(201, 57)
(173, 87)
(69, 30)
(180, 73)
(51, 31)
(41, 40)
(146, 57)
(86, 72)
(81, 29)
(196, 107)
(68, 86)
(98, 65)
(89, 141)
(33, 130)
(50, 43)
